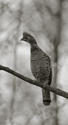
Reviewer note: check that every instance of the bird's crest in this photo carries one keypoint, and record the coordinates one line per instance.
(27, 34)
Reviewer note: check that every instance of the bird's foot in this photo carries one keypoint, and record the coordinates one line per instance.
(34, 80)
(46, 84)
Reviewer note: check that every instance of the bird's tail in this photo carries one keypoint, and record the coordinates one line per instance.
(46, 97)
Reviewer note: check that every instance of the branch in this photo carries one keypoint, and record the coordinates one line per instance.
(34, 82)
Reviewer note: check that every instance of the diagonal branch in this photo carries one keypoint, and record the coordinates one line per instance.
(34, 82)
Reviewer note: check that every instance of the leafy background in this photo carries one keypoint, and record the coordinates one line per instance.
(47, 20)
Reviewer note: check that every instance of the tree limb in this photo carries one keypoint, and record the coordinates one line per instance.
(34, 82)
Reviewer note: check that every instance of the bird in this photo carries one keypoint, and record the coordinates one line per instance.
(40, 64)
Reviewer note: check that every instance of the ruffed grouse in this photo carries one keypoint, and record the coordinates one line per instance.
(40, 65)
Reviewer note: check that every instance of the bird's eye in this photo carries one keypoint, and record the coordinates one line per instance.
(28, 37)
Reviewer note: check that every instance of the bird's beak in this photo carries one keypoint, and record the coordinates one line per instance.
(21, 39)
(24, 39)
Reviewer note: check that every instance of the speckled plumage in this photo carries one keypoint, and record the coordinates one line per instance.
(40, 66)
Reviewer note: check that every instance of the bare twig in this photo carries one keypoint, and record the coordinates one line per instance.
(34, 82)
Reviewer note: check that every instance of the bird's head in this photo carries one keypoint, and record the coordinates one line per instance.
(28, 38)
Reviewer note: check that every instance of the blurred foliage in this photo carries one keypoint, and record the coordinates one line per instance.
(47, 20)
